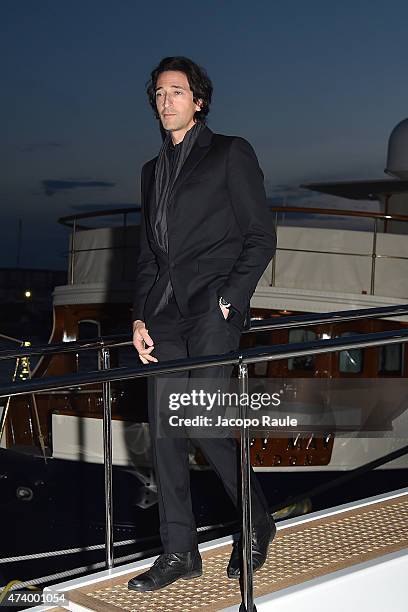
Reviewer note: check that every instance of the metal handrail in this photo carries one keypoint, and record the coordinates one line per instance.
(67, 347)
(342, 213)
(11, 339)
(345, 213)
(72, 222)
(241, 358)
(249, 355)
(309, 209)
(268, 324)
(99, 213)
(322, 318)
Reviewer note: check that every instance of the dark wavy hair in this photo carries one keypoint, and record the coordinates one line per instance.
(198, 80)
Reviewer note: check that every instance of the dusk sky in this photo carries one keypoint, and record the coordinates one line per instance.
(316, 87)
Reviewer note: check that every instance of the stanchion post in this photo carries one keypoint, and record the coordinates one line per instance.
(247, 604)
(107, 459)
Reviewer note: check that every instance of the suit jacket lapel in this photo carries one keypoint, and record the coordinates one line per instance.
(198, 151)
(150, 201)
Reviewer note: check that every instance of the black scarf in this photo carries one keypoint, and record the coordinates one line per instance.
(169, 163)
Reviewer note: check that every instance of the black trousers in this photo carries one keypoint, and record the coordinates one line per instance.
(177, 337)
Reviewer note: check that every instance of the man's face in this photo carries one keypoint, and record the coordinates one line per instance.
(174, 102)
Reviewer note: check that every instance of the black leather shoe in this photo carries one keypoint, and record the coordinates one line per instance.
(168, 568)
(262, 535)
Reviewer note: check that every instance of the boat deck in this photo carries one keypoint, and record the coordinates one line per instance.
(309, 551)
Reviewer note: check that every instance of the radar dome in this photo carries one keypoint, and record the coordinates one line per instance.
(397, 158)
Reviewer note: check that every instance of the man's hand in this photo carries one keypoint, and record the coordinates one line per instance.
(225, 311)
(143, 342)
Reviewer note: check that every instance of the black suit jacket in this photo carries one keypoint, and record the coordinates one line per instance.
(221, 236)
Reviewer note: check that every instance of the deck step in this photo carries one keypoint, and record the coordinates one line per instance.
(298, 553)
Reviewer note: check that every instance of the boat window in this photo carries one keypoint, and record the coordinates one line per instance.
(261, 339)
(307, 362)
(350, 361)
(390, 359)
(87, 361)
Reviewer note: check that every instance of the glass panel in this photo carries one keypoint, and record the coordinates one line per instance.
(306, 363)
(390, 359)
(350, 361)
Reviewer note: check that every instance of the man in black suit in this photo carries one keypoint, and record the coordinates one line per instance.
(206, 237)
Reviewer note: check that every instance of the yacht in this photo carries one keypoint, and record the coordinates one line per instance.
(329, 259)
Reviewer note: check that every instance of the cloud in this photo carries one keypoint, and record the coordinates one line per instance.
(41, 146)
(289, 195)
(51, 186)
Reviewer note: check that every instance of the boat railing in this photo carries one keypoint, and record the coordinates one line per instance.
(256, 325)
(75, 222)
(241, 358)
(373, 253)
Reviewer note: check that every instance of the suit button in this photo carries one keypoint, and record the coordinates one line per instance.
(172, 265)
